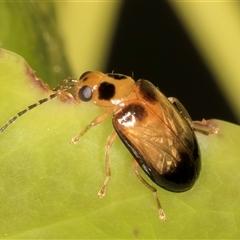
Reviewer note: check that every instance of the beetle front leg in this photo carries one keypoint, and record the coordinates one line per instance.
(161, 213)
(203, 126)
(67, 83)
(96, 121)
(110, 141)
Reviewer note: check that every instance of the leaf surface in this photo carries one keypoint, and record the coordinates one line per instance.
(48, 187)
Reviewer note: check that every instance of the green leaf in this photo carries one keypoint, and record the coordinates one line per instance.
(29, 28)
(48, 187)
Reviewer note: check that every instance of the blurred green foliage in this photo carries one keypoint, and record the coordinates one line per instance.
(29, 28)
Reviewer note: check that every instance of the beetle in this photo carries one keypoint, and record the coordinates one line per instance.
(157, 131)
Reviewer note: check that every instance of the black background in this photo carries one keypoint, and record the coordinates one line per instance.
(151, 43)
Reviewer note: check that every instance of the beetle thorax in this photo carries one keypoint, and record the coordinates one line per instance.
(104, 90)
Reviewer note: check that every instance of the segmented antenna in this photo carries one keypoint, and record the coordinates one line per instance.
(58, 90)
(13, 119)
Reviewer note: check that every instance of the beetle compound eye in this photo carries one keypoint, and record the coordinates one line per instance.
(85, 93)
(84, 75)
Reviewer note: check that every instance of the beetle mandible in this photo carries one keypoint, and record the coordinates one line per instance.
(156, 130)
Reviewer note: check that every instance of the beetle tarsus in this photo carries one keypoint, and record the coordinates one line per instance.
(74, 140)
(102, 191)
(205, 127)
(162, 215)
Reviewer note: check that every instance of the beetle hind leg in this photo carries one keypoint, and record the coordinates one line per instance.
(203, 126)
(110, 141)
(161, 213)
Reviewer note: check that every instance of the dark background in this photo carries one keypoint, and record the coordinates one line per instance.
(151, 43)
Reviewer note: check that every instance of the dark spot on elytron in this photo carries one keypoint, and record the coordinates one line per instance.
(106, 91)
(137, 110)
(183, 176)
(147, 90)
(83, 75)
(116, 76)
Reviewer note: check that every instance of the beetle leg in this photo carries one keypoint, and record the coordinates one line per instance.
(162, 215)
(110, 141)
(203, 126)
(96, 121)
(66, 84)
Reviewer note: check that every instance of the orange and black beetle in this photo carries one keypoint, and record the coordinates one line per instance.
(156, 130)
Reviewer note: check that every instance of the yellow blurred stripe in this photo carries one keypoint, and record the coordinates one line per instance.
(215, 29)
(87, 28)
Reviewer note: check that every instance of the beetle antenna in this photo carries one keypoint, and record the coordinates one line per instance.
(58, 90)
(19, 114)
